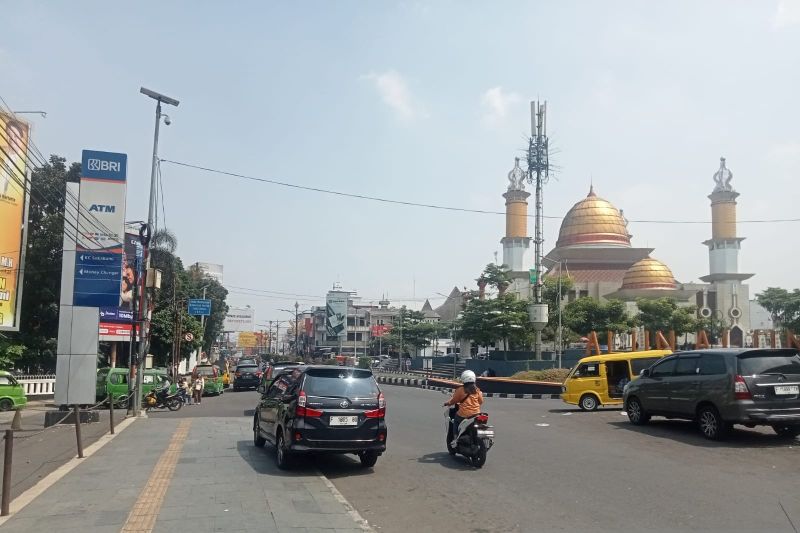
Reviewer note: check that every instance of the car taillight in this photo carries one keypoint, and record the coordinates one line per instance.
(302, 410)
(381, 437)
(297, 436)
(382, 401)
(482, 418)
(380, 412)
(238, 374)
(258, 374)
(740, 390)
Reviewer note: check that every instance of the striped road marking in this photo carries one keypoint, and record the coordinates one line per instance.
(142, 517)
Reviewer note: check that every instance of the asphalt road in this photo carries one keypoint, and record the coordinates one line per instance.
(554, 468)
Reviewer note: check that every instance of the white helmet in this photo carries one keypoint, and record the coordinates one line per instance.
(467, 376)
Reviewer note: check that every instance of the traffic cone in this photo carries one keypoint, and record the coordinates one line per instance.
(16, 424)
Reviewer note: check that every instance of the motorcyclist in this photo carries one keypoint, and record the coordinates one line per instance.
(163, 391)
(468, 397)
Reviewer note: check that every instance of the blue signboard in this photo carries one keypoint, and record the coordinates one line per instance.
(199, 307)
(104, 165)
(97, 279)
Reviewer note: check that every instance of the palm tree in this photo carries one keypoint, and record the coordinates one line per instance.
(497, 276)
(164, 240)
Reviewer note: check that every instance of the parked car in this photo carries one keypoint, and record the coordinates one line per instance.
(114, 381)
(719, 388)
(212, 377)
(247, 376)
(12, 393)
(324, 409)
(600, 379)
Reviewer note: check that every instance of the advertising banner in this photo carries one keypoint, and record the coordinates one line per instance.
(336, 314)
(115, 332)
(101, 228)
(13, 213)
(239, 319)
(247, 339)
(132, 261)
(380, 330)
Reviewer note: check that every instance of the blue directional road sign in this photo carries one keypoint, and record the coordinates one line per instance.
(199, 307)
(98, 276)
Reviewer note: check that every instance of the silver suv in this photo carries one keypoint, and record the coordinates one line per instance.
(719, 388)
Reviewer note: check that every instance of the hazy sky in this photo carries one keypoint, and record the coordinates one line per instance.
(425, 102)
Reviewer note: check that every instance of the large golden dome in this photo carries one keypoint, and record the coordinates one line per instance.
(649, 273)
(591, 221)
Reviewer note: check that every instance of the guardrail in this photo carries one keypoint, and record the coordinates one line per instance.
(44, 385)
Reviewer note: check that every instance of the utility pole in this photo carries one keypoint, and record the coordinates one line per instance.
(145, 328)
(296, 330)
(202, 327)
(538, 173)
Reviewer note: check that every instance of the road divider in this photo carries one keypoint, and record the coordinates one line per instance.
(444, 385)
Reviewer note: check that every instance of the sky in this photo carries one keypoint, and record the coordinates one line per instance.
(423, 102)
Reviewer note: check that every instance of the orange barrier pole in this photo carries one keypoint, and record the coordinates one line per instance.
(610, 342)
(646, 339)
(773, 341)
(634, 343)
(702, 340)
(672, 340)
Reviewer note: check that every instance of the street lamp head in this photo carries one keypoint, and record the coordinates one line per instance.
(158, 96)
(167, 120)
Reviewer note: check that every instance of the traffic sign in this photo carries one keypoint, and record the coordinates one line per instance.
(188, 337)
(199, 307)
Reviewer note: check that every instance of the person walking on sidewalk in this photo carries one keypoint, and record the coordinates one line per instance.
(186, 391)
(198, 389)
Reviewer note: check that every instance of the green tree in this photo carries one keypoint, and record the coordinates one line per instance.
(497, 276)
(34, 346)
(783, 307)
(486, 321)
(587, 314)
(409, 331)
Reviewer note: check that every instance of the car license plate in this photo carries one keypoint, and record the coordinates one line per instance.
(787, 389)
(344, 420)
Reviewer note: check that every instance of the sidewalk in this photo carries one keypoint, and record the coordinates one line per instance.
(180, 474)
(38, 453)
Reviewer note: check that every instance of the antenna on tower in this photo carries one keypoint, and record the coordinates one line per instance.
(538, 173)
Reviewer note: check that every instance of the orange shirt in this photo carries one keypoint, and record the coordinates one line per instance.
(470, 405)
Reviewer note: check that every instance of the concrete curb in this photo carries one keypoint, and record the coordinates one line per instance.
(423, 384)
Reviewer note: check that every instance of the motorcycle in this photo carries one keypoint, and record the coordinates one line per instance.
(157, 400)
(475, 436)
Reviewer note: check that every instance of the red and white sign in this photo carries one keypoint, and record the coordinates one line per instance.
(379, 330)
(115, 332)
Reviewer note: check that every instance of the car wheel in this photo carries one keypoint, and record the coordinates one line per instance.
(589, 402)
(479, 459)
(6, 404)
(788, 432)
(258, 440)
(368, 459)
(636, 413)
(711, 424)
(281, 454)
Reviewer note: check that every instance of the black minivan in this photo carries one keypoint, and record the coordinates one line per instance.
(323, 409)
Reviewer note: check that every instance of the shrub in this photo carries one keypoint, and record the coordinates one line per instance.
(364, 362)
(552, 375)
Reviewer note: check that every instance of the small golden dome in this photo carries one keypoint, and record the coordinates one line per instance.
(594, 220)
(649, 273)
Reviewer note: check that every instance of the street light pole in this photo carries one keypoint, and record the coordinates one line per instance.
(296, 330)
(145, 326)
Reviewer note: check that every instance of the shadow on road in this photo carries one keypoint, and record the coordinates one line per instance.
(687, 433)
(446, 460)
(577, 410)
(262, 460)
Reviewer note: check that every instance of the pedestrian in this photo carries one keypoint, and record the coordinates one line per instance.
(186, 391)
(198, 389)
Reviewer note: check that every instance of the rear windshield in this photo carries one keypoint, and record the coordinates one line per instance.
(754, 363)
(343, 384)
(637, 365)
(205, 370)
(247, 368)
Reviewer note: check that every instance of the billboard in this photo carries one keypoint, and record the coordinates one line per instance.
(336, 314)
(239, 319)
(132, 261)
(101, 229)
(212, 270)
(247, 339)
(380, 330)
(13, 214)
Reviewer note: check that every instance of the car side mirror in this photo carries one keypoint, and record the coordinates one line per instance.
(645, 372)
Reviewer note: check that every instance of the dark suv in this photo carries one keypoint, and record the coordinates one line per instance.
(246, 376)
(719, 388)
(322, 409)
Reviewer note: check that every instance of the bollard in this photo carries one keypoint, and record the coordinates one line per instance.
(16, 424)
(6, 496)
(111, 412)
(77, 412)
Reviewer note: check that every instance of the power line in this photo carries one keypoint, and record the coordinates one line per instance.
(436, 206)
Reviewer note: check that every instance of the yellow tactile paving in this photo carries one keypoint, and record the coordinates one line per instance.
(145, 511)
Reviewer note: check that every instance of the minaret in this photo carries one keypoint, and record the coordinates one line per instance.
(730, 301)
(516, 242)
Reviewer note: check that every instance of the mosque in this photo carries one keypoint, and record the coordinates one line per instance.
(595, 249)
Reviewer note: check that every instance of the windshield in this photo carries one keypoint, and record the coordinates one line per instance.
(205, 371)
(341, 384)
(754, 363)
